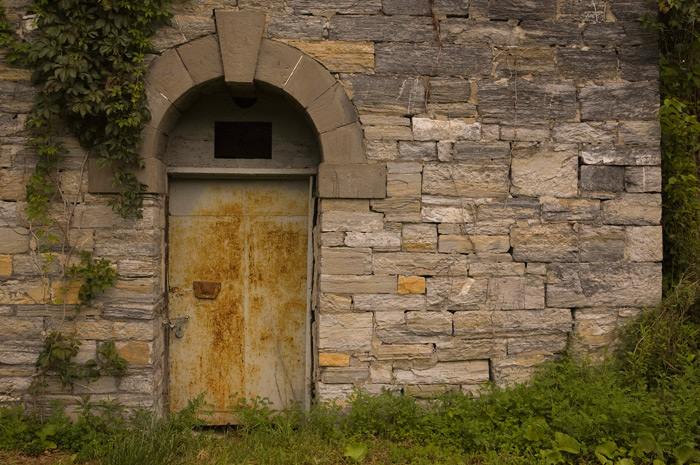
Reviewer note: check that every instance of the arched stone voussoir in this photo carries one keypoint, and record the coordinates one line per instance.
(169, 77)
(202, 59)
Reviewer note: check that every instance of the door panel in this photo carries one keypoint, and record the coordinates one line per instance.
(251, 237)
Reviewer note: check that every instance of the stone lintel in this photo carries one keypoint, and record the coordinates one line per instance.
(351, 181)
(240, 36)
(152, 174)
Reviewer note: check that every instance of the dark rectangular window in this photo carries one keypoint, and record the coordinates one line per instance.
(234, 139)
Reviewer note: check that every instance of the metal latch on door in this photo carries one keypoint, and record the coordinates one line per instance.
(177, 324)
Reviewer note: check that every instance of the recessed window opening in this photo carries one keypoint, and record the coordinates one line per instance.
(238, 139)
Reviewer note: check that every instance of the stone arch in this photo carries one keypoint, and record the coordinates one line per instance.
(240, 55)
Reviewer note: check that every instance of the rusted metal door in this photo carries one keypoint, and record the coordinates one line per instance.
(237, 291)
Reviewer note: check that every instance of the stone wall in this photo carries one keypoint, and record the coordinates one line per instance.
(522, 197)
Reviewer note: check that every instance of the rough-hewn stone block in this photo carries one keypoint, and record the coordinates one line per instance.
(422, 264)
(433, 60)
(602, 178)
(643, 179)
(326, 359)
(419, 238)
(424, 7)
(545, 170)
(399, 95)
(449, 90)
(527, 100)
(587, 133)
(456, 293)
(452, 129)
(457, 349)
(354, 375)
(620, 155)
(399, 209)
(336, 260)
(551, 33)
(323, 7)
(644, 243)
(351, 284)
(587, 64)
(528, 63)
(621, 101)
(601, 243)
(514, 323)
(463, 180)
(14, 240)
(351, 221)
(339, 56)
(296, 27)
(469, 372)
(603, 284)
(633, 209)
(618, 34)
(341, 332)
(455, 243)
(556, 242)
(385, 302)
(403, 185)
(640, 132)
(381, 28)
(413, 327)
(513, 293)
(380, 240)
(522, 9)
(351, 181)
(411, 285)
(639, 63)
(467, 31)
(447, 210)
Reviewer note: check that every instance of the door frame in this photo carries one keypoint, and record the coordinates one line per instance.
(245, 174)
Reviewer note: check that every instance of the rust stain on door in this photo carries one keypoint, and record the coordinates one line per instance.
(249, 339)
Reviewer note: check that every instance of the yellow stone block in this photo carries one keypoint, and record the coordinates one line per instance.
(411, 285)
(339, 57)
(5, 265)
(136, 353)
(333, 360)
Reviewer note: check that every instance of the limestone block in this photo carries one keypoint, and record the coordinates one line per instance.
(452, 129)
(595, 328)
(556, 242)
(587, 64)
(515, 293)
(385, 302)
(599, 178)
(333, 239)
(331, 303)
(419, 238)
(381, 28)
(643, 179)
(522, 9)
(580, 10)
(339, 56)
(618, 34)
(436, 209)
(135, 289)
(393, 352)
(14, 240)
(482, 269)
(513, 323)
(633, 209)
(456, 293)
(455, 243)
(639, 63)
(18, 95)
(414, 327)
(632, 10)
(603, 284)
(518, 368)
(103, 385)
(387, 95)
(527, 100)
(202, 59)
(629, 101)
(137, 267)
(351, 181)
(640, 132)
(433, 60)
(550, 343)
(545, 170)
(585, 133)
(381, 150)
(351, 221)
(128, 243)
(381, 240)
(137, 353)
(525, 132)
(403, 185)
(140, 383)
(417, 151)
(467, 372)
(602, 243)
(424, 7)
(328, 359)
(131, 310)
(309, 81)
(464, 180)
(344, 145)
(487, 153)
(526, 62)
(421, 264)
(340, 375)
(404, 168)
(5, 265)
(13, 184)
(644, 243)
(296, 27)
(344, 332)
(467, 31)
(490, 244)
(351, 284)
(451, 110)
(620, 155)
(388, 133)
(554, 209)
(20, 329)
(457, 349)
(21, 351)
(411, 285)
(551, 33)
(511, 209)
(399, 209)
(346, 261)
(152, 175)
(449, 90)
(324, 7)
(334, 392)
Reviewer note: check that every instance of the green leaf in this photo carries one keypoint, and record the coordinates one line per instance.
(356, 452)
(606, 451)
(567, 443)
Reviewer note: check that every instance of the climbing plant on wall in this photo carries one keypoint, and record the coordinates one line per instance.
(88, 66)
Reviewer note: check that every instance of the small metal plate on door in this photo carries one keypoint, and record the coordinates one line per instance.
(206, 289)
